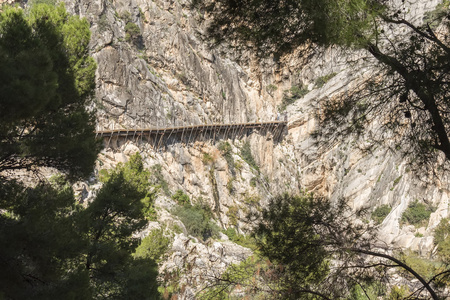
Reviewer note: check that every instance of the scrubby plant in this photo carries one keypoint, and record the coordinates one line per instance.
(252, 199)
(132, 32)
(154, 246)
(103, 23)
(207, 158)
(198, 220)
(233, 215)
(230, 186)
(181, 197)
(240, 239)
(442, 239)
(417, 214)
(381, 212)
(159, 180)
(226, 150)
(426, 267)
(271, 88)
(247, 156)
(293, 94)
(320, 81)
(370, 290)
(46, 2)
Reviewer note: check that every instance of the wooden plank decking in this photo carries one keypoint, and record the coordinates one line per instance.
(187, 129)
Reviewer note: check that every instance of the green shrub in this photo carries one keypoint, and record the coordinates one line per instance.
(442, 239)
(103, 175)
(225, 149)
(240, 239)
(132, 32)
(103, 24)
(425, 267)
(320, 82)
(207, 158)
(197, 220)
(230, 186)
(252, 200)
(232, 215)
(247, 156)
(154, 246)
(370, 290)
(47, 2)
(253, 182)
(291, 95)
(381, 213)
(181, 197)
(417, 214)
(158, 179)
(271, 88)
(126, 16)
(399, 292)
(397, 180)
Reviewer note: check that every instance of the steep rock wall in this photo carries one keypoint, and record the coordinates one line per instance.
(168, 75)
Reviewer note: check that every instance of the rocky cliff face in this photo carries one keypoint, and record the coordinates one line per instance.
(161, 72)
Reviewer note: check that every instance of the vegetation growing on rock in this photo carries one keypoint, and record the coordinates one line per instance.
(380, 213)
(417, 214)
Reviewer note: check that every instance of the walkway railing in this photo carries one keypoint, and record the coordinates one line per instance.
(187, 134)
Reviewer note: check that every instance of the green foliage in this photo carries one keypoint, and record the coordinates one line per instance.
(46, 2)
(250, 274)
(297, 237)
(271, 89)
(381, 212)
(126, 16)
(57, 248)
(283, 26)
(227, 153)
(233, 215)
(247, 156)
(197, 220)
(158, 178)
(370, 290)
(230, 186)
(425, 267)
(417, 214)
(132, 32)
(298, 251)
(435, 16)
(181, 197)
(399, 292)
(103, 23)
(240, 239)
(109, 223)
(47, 78)
(292, 95)
(252, 199)
(253, 182)
(397, 180)
(63, 249)
(207, 158)
(320, 81)
(154, 246)
(442, 240)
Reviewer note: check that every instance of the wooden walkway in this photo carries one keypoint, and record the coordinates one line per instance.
(191, 133)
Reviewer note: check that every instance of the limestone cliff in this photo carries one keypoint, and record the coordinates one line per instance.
(161, 72)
